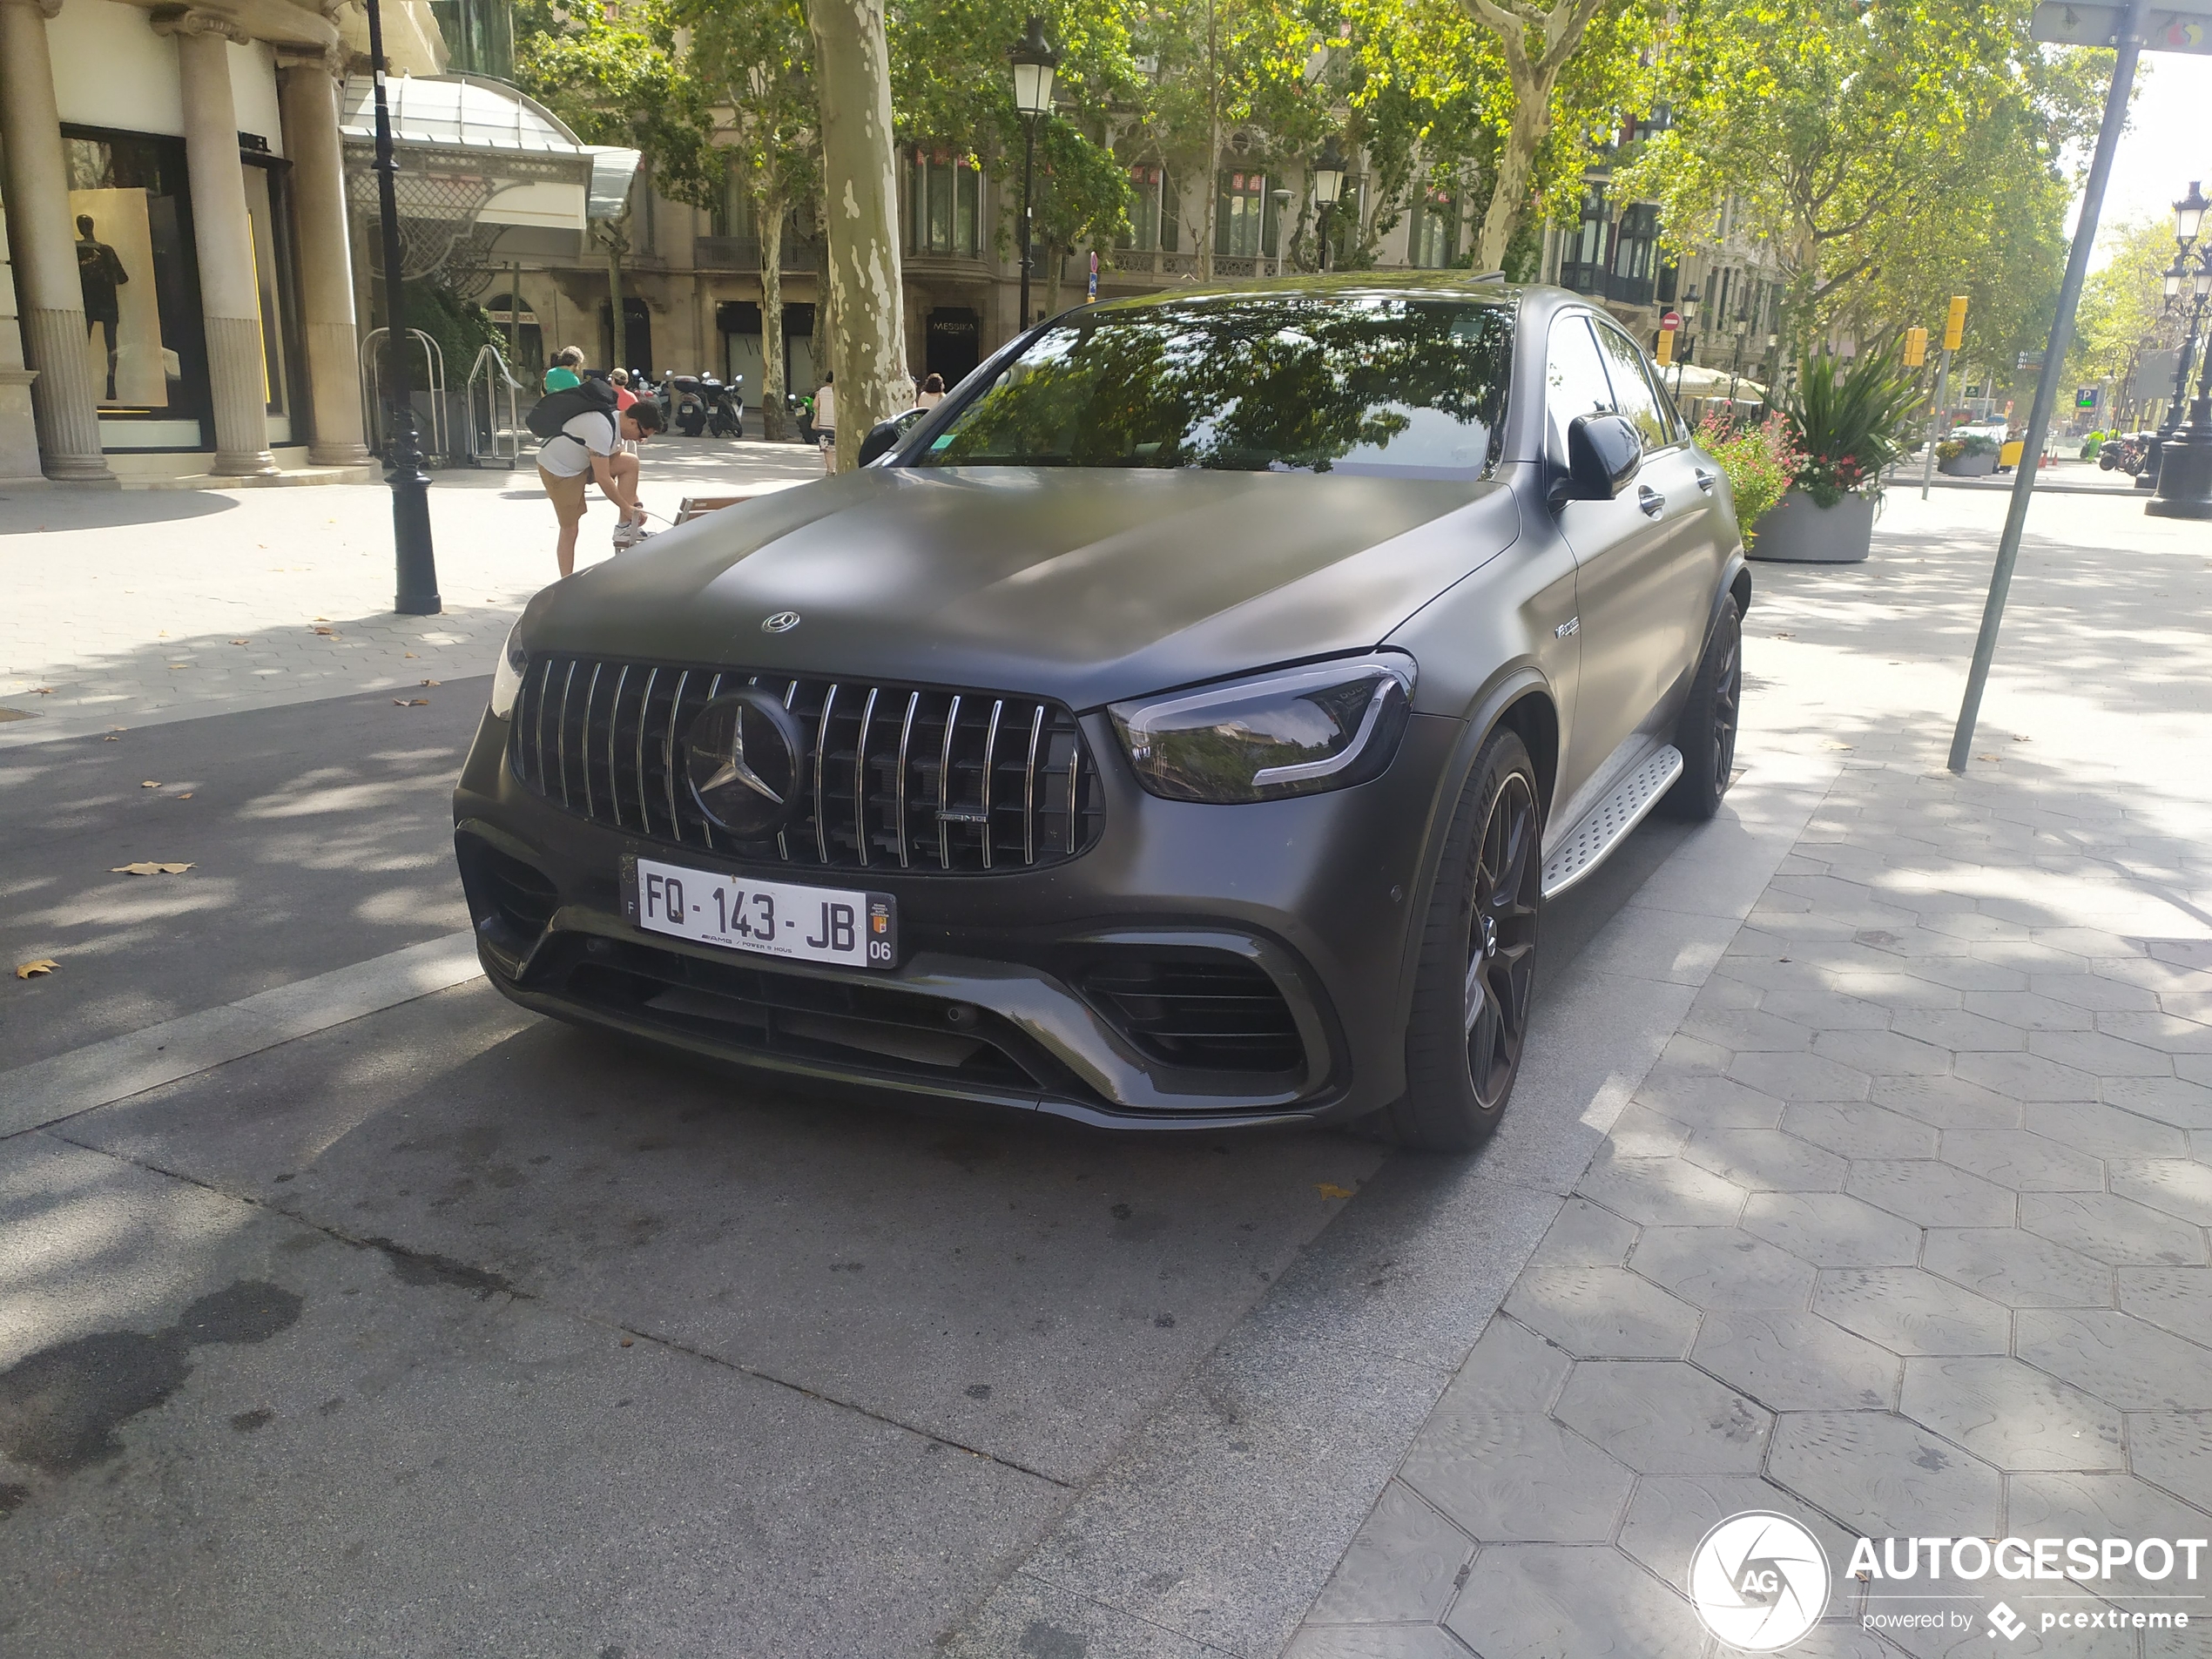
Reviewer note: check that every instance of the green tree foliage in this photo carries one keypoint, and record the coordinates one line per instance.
(618, 78)
(2124, 317)
(1890, 154)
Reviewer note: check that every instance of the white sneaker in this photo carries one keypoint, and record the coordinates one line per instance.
(628, 535)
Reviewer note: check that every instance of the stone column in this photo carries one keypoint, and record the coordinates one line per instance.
(18, 427)
(309, 97)
(63, 401)
(230, 293)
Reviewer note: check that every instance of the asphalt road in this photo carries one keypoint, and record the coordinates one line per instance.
(452, 1330)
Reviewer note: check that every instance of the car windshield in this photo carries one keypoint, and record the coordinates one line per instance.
(1379, 383)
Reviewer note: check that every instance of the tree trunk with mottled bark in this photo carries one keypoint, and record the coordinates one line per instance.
(1533, 67)
(768, 214)
(863, 284)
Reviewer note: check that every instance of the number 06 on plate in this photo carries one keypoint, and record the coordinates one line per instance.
(767, 918)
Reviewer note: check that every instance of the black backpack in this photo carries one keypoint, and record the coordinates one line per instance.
(556, 409)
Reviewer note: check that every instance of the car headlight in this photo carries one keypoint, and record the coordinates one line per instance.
(507, 677)
(1292, 732)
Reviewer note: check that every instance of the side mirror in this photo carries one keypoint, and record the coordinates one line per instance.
(880, 439)
(1603, 452)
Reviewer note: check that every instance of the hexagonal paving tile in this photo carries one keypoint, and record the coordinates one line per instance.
(2174, 1102)
(1962, 974)
(2179, 1187)
(2027, 1011)
(1832, 1229)
(1765, 1160)
(1884, 1054)
(1703, 1098)
(1655, 1192)
(2110, 1228)
(1664, 1418)
(1582, 1235)
(2169, 1033)
(1910, 1312)
(1883, 1473)
(1931, 1192)
(1672, 1514)
(1826, 1010)
(1517, 1475)
(2098, 1055)
(1746, 1030)
(1639, 1132)
(1794, 1362)
(1860, 1129)
(1603, 1313)
(2026, 1076)
(2100, 1506)
(1947, 1103)
(2123, 1360)
(2102, 1131)
(1317, 1640)
(1400, 1564)
(1723, 1267)
(2094, 993)
(2025, 1163)
(1799, 1076)
(2017, 1268)
(2015, 1415)
(2170, 1449)
(1950, 1028)
(1526, 1602)
(2174, 1299)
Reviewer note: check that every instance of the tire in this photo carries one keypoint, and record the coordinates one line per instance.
(1705, 730)
(1473, 987)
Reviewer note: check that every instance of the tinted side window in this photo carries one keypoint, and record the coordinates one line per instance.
(1632, 392)
(1575, 382)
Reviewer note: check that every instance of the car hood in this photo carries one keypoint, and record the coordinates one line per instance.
(1087, 586)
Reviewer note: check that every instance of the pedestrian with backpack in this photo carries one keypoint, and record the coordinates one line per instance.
(584, 436)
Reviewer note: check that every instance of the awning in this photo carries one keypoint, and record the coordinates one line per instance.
(478, 151)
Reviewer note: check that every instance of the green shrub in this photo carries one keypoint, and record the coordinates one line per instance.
(1848, 423)
(1760, 460)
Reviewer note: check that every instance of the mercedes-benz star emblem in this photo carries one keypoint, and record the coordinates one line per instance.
(782, 623)
(742, 758)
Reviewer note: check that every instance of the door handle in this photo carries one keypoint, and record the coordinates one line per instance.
(1704, 480)
(1650, 501)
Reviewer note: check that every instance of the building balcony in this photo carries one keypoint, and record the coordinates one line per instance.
(742, 254)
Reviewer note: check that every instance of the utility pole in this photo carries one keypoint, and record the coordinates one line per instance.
(414, 557)
(1954, 334)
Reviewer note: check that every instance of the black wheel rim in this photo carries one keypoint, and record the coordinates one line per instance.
(1727, 692)
(1502, 941)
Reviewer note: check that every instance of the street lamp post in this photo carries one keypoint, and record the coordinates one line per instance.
(1740, 328)
(1328, 185)
(2188, 221)
(1689, 308)
(1033, 63)
(2184, 487)
(1282, 197)
(414, 557)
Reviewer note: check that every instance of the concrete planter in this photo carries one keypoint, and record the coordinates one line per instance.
(1968, 466)
(1796, 531)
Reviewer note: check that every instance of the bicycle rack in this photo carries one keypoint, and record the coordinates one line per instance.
(437, 446)
(494, 442)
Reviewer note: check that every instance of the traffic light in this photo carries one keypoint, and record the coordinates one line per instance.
(1916, 347)
(1954, 326)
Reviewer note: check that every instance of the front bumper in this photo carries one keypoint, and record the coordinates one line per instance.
(1061, 989)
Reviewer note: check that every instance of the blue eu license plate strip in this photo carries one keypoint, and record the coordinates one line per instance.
(805, 924)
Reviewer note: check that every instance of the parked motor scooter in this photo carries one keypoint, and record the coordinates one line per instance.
(687, 411)
(799, 410)
(725, 406)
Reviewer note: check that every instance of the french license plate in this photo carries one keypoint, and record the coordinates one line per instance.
(768, 918)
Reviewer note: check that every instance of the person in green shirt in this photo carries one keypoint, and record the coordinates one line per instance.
(563, 374)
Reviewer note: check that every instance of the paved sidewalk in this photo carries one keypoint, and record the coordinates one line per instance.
(1905, 1233)
(135, 608)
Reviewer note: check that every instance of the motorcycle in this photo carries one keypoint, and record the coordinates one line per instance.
(725, 406)
(2127, 454)
(687, 406)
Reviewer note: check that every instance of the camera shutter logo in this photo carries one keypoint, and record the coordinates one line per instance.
(1759, 1581)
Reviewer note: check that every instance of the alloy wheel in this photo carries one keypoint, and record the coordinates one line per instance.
(1502, 941)
(1727, 692)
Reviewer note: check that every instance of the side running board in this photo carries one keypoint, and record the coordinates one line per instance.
(1606, 825)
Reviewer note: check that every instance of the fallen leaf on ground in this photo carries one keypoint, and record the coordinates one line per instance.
(24, 970)
(410, 702)
(327, 633)
(322, 619)
(407, 653)
(2017, 738)
(147, 866)
(1985, 757)
(111, 737)
(1331, 1190)
(149, 784)
(434, 682)
(186, 796)
(42, 691)
(241, 642)
(1785, 636)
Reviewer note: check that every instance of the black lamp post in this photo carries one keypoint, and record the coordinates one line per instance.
(2184, 451)
(417, 560)
(1328, 187)
(1033, 63)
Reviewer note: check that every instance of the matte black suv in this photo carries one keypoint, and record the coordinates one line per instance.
(1182, 725)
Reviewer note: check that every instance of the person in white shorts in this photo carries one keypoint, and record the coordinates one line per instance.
(588, 447)
(826, 422)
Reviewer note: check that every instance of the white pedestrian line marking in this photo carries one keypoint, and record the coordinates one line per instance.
(101, 1073)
